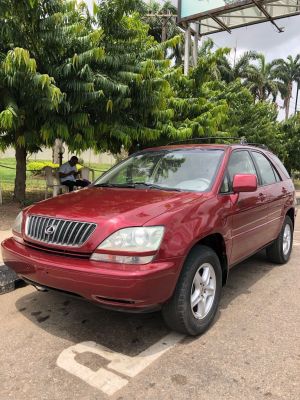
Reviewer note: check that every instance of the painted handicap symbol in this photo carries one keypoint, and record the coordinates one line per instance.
(104, 379)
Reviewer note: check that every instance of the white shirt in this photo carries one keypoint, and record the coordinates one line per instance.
(65, 169)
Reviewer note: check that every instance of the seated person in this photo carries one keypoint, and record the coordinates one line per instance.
(68, 173)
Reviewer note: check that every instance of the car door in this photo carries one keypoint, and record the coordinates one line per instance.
(248, 212)
(275, 191)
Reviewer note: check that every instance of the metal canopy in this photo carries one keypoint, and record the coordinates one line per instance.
(243, 13)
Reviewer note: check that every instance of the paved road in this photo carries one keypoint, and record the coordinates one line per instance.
(251, 352)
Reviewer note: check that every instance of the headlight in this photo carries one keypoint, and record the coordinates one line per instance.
(136, 240)
(130, 240)
(17, 227)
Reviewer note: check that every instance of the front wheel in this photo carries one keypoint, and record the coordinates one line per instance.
(195, 301)
(279, 251)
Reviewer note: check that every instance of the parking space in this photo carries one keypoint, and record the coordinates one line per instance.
(55, 347)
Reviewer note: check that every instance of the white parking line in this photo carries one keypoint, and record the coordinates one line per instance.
(106, 381)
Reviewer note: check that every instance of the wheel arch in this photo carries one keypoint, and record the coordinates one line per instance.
(216, 242)
(291, 213)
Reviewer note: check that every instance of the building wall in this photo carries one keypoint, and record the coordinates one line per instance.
(88, 156)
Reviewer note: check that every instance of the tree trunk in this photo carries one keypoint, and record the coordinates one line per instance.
(288, 100)
(20, 181)
(58, 144)
(287, 108)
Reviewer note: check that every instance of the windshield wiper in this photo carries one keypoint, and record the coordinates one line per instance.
(158, 187)
(133, 185)
(115, 185)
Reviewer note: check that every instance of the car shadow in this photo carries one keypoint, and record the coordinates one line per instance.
(244, 275)
(78, 321)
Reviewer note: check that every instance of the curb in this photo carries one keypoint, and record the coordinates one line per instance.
(7, 279)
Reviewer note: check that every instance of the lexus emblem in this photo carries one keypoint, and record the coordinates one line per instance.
(50, 230)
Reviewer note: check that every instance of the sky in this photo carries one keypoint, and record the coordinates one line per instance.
(266, 39)
(263, 38)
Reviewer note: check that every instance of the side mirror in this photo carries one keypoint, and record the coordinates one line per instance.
(244, 183)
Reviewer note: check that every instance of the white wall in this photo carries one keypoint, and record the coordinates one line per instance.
(88, 156)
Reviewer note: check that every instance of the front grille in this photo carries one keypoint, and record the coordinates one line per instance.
(58, 231)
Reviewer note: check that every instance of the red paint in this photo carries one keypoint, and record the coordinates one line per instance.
(245, 221)
(244, 183)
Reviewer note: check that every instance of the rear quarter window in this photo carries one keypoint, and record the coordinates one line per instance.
(268, 174)
(279, 165)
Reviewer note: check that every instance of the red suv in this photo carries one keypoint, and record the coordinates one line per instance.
(159, 230)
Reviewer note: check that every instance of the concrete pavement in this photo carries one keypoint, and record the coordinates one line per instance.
(3, 235)
(251, 352)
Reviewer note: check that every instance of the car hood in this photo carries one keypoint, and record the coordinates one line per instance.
(131, 206)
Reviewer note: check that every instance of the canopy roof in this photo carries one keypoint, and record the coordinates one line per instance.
(236, 14)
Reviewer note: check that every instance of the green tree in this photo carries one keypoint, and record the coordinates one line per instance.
(136, 62)
(47, 43)
(260, 79)
(160, 26)
(195, 108)
(291, 135)
(165, 28)
(255, 121)
(287, 72)
(27, 99)
(109, 70)
(229, 72)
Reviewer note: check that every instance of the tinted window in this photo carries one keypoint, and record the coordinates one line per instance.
(266, 169)
(277, 176)
(281, 167)
(240, 163)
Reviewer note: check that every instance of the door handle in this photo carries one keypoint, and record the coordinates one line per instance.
(284, 190)
(262, 196)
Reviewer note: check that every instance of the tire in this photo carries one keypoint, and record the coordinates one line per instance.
(201, 274)
(279, 251)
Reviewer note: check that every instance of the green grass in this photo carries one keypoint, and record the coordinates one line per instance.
(7, 175)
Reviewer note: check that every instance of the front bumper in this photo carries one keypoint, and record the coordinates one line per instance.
(114, 285)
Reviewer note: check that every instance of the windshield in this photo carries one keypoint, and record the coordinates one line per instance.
(184, 170)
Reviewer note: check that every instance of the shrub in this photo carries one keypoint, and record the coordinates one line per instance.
(36, 167)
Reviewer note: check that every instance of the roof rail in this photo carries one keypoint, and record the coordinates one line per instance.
(262, 146)
(212, 140)
(209, 139)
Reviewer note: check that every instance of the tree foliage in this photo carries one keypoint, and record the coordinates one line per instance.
(287, 72)
(239, 69)
(107, 81)
(291, 134)
(254, 121)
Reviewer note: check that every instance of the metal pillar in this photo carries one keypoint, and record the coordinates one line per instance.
(187, 46)
(196, 46)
